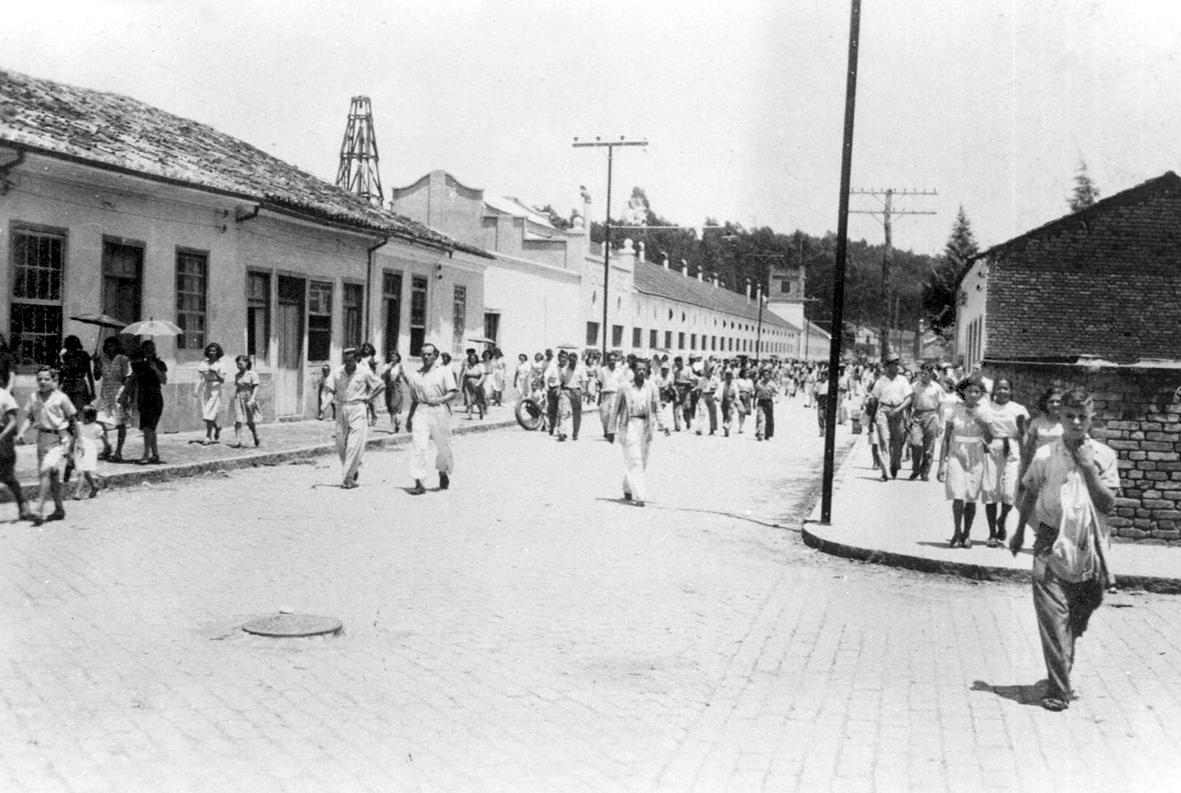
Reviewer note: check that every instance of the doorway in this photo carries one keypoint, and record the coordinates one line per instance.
(289, 321)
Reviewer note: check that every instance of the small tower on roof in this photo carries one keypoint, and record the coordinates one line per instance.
(785, 295)
(358, 171)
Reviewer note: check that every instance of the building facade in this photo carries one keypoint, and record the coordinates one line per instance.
(108, 205)
(1093, 299)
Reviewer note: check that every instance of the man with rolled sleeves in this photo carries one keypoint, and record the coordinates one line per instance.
(893, 395)
(611, 379)
(432, 390)
(353, 387)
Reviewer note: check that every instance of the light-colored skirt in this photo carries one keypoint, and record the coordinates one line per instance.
(965, 470)
(1002, 473)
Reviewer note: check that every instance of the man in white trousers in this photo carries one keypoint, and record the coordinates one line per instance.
(432, 390)
(637, 412)
(353, 388)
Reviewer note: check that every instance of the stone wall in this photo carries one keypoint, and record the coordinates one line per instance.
(1138, 414)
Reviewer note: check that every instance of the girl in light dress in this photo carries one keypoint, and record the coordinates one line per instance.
(1007, 421)
(211, 374)
(1046, 428)
(966, 436)
(90, 436)
(245, 400)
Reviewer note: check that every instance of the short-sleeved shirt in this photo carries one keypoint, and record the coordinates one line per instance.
(360, 386)
(610, 379)
(576, 378)
(892, 392)
(433, 384)
(927, 397)
(7, 404)
(1002, 419)
(51, 412)
(1051, 467)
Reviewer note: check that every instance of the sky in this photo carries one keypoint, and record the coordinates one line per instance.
(991, 104)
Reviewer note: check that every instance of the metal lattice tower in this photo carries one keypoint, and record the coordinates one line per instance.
(358, 154)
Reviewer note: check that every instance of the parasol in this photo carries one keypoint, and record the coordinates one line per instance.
(102, 320)
(152, 327)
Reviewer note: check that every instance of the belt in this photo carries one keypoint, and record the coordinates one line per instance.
(49, 432)
(925, 410)
(967, 438)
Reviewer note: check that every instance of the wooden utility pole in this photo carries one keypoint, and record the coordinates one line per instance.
(610, 146)
(885, 216)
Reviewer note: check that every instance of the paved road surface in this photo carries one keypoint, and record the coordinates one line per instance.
(526, 631)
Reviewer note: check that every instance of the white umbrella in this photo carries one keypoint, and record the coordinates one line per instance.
(152, 327)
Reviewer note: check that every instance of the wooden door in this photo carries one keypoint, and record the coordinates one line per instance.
(289, 325)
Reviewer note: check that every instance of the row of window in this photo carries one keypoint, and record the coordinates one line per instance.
(708, 343)
(38, 274)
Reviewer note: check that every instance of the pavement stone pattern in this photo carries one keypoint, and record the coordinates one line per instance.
(528, 631)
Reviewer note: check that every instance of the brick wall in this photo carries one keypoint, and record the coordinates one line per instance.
(1138, 414)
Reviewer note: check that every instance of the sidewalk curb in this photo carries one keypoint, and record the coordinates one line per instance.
(165, 473)
(975, 572)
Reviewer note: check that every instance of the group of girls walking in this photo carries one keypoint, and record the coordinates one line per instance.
(212, 375)
(988, 440)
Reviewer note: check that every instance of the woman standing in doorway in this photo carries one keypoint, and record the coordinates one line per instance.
(394, 395)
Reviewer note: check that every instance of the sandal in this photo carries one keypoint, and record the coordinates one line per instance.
(1054, 704)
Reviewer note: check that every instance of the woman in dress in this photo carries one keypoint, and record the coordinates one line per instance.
(74, 373)
(211, 374)
(965, 447)
(473, 384)
(111, 369)
(499, 376)
(394, 395)
(148, 375)
(1002, 468)
(246, 384)
(1046, 428)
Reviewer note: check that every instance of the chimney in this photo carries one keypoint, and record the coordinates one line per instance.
(640, 252)
(748, 290)
(700, 275)
(715, 277)
(664, 259)
(684, 268)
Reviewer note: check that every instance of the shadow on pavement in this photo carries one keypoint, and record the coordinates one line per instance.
(1024, 695)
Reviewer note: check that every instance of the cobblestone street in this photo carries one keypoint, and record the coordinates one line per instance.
(528, 631)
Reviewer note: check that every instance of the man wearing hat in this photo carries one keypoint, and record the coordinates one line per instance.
(353, 389)
(893, 394)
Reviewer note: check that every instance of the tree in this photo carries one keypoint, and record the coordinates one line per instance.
(1085, 192)
(939, 298)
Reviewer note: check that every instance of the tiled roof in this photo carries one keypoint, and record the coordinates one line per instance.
(1104, 283)
(120, 133)
(653, 279)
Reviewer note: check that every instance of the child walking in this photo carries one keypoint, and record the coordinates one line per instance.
(245, 400)
(8, 425)
(52, 414)
(89, 435)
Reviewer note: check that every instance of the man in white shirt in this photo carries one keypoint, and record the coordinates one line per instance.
(432, 390)
(637, 413)
(551, 380)
(892, 392)
(354, 386)
(925, 421)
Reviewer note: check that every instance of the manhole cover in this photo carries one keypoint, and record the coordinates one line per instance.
(288, 625)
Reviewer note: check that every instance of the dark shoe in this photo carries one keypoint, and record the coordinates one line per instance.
(1001, 534)
(115, 458)
(444, 481)
(627, 496)
(893, 473)
(57, 514)
(418, 489)
(348, 484)
(954, 542)
(154, 461)
(925, 478)
(36, 520)
(639, 503)
(965, 543)
(914, 475)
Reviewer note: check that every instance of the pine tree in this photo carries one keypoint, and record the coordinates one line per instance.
(939, 298)
(1085, 192)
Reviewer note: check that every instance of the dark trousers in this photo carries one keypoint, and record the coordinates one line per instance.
(1063, 611)
(765, 418)
(689, 405)
(551, 408)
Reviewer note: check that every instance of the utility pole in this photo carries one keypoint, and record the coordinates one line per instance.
(610, 146)
(358, 171)
(838, 276)
(885, 216)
